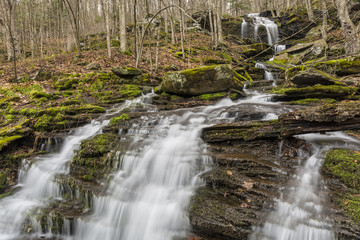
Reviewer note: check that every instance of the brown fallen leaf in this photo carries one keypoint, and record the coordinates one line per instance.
(248, 185)
(347, 202)
(228, 172)
(245, 205)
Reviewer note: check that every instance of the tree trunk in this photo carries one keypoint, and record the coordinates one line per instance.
(352, 44)
(108, 27)
(324, 18)
(310, 10)
(122, 26)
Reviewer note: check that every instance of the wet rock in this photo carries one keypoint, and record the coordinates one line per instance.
(318, 91)
(199, 81)
(329, 117)
(312, 77)
(93, 66)
(126, 72)
(240, 187)
(97, 157)
(341, 175)
(3, 183)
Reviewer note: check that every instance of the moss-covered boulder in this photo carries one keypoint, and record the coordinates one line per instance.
(95, 158)
(341, 67)
(312, 77)
(344, 165)
(200, 81)
(126, 72)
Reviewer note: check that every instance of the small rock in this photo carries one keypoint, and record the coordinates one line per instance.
(93, 66)
(126, 72)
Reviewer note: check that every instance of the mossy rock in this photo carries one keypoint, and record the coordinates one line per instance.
(344, 164)
(313, 77)
(213, 96)
(6, 141)
(341, 67)
(198, 81)
(115, 121)
(126, 72)
(3, 183)
(317, 91)
(95, 158)
(66, 83)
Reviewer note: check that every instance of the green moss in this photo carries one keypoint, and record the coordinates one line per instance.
(129, 91)
(116, 120)
(5, 141)
(292, 20)
(212, 96)
(321, 90)
(312, 101)
(38, 95)
(345, 165)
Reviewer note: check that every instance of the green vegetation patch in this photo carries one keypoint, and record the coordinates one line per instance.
(213, 96)
(5, 141)
(345, 165)
(117, 120)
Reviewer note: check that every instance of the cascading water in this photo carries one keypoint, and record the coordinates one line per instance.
(299, 212)
(148, 197)
(244, 29)
(272, 31)
(36, 180)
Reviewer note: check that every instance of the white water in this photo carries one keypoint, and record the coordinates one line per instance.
(272, 39)
(271, 27)
(36, 180)
(148, 198)
(299, 213)
(244, 29)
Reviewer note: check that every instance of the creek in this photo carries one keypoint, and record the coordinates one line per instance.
(148, 194)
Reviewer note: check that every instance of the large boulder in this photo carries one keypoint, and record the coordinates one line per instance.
(313, 77)
(199, 81)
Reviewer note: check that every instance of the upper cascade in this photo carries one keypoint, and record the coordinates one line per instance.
(272, 28)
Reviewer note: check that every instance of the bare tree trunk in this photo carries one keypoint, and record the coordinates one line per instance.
(8, 8)
(352, 44)
(218, 20)
(122, 26)
(108, 27)
(324, 18)
(310, 10)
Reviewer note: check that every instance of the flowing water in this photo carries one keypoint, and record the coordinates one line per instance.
(36, 179)
(299, 213)
(148, 197)
(272, 31)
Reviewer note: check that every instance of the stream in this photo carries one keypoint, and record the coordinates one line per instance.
(148, 196)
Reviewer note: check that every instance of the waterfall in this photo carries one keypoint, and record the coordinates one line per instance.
(272, 31)
(148, 197)
(244, 29)
(271, 27)
(299, 213)
(36, 179)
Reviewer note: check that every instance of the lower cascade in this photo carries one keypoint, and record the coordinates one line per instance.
(148, 196)
(299, 213)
